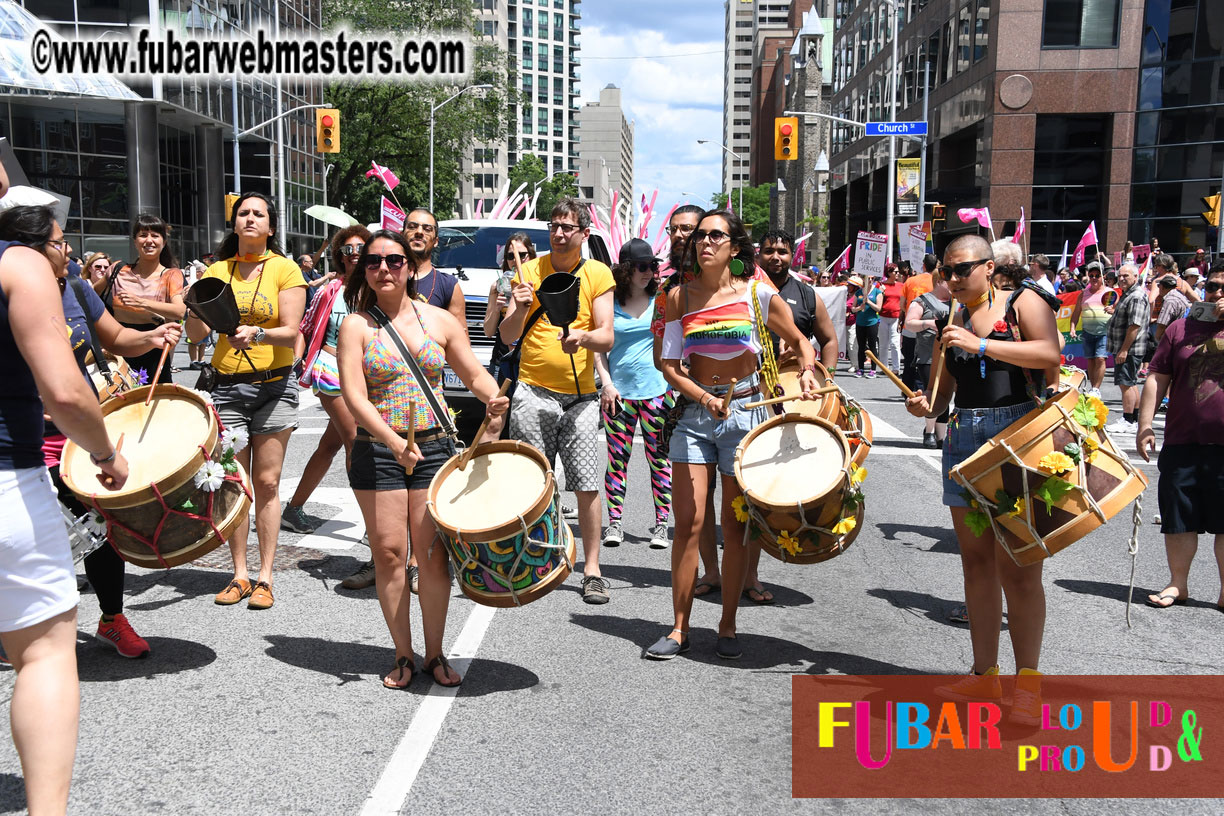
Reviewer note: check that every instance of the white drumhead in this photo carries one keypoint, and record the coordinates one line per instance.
(158, 439)
(792, 462)
(494, 489)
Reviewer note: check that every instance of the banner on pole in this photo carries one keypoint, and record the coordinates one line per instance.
(392, 216)
(909, 185)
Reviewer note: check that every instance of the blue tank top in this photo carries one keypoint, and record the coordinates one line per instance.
(21, 409)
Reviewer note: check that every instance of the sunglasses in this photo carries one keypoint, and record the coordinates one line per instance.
(653, 266)
(1093, 277)
(715, 237)
(564, 229)
(1212, 288)
(682, 229)
(394, 262)
(412, 226)
(961, 270)
(351, 249)
(522, 256)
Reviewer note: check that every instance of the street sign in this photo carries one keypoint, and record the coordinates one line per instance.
(896, 128)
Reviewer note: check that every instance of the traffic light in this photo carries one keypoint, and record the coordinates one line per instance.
(1212, 216)
(939, 217)
(786, 131)
(327, 130)
(230, 200)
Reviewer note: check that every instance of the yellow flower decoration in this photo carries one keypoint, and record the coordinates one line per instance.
(1017, 508)
(844, 526)
(788, 543)
(740, 506)
(857, 474)
(974, 504)
(1090, 448)
(1101, 409)
(1056, 463)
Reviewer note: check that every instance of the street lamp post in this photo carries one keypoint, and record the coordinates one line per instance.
(433, 110)
(892, 140)
(738, 158)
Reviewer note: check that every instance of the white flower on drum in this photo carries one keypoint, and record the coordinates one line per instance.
(210, 476)
(233, 439)
(95, 524)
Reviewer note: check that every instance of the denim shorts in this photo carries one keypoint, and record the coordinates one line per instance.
(968, 430)
(700, 439)
(1094, 344)
(374, 467)
(259, 408)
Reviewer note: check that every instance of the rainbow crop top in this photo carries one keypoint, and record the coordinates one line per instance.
(721, 332)
(391, 385)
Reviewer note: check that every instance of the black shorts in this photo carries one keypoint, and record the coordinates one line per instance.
(1191, 484)
(373, 466)
(1126, 373)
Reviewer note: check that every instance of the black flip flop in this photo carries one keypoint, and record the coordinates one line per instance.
(762, 599)
(1177, 601)
(710, 588)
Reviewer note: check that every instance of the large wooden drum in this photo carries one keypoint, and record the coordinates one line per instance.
(838, 408)
(800, 490)
(1010, 478)
(500, 519)
(164, 516)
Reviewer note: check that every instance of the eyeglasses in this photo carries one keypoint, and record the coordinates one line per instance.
(715, 237)
(682, 229)
(564, 229)
(961, 270)
(1212, 288)
(351, 249)
(60, 244)
(394, 262)
(412, 226)
(1093, 277)
(652, 266)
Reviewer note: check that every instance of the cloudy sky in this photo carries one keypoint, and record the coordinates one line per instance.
(666, 56)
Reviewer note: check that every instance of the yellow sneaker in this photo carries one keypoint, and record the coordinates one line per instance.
(1026, 699)
(974, 687)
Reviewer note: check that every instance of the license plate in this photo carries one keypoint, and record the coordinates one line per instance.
(450, 380)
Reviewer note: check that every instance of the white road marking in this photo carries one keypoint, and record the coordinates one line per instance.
(397, 778)
(883, 430)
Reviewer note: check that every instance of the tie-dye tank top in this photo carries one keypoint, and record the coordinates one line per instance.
(728, 330)
(391, 385)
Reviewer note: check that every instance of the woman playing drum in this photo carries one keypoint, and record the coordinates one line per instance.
(389, 475)
(150, 291)
(714, 324)
(256, 389)
(994, 374)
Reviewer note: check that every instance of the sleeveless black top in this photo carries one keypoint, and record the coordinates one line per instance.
(21, 409)
(1004, 384)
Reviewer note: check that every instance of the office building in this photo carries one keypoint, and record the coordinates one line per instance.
(607, 138)
(774, 24)
(737, 93)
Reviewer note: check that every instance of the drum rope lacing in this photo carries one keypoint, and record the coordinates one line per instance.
(1133, 548)
(1026, 521)
(755, 517)
(152, 543)
(469, 554)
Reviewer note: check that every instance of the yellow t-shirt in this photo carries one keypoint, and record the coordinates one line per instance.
(258, 300)
(544, 364)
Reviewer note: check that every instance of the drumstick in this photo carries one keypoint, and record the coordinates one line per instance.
(905, 389)
(157, 376)
(937, 362)
(828, 389)
(411, 431)
(467, 454)
(726, 400)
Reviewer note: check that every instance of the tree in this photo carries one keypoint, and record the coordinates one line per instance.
(756, 207)
(389, 123)
(532, 171)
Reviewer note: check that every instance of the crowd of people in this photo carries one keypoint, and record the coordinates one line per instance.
(672, 348)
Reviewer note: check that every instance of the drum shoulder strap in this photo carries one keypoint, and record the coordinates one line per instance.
(439, 409)
(76, 284)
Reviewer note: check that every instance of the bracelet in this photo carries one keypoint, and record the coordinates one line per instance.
(982, 347)
(106, 460)
(810, 368)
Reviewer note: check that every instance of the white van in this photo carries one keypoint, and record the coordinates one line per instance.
(471, 249)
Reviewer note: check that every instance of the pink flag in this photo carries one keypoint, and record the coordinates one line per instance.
(797, 256)
(980, 214)
(1089, 239)
(392, 216)
(842, 264)
(1019, 228)
(384, 175)
(644, 206)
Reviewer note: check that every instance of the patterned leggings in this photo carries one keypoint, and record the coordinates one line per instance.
(619, 430)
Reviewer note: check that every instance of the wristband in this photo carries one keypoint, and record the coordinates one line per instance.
(982, 347)
(106, 460)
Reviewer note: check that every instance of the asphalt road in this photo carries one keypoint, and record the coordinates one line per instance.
(283, 712)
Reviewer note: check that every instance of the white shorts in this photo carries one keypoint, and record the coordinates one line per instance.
(37, 576)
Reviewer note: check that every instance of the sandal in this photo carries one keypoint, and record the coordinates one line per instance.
(261, 596)
(441, 660)
(234, 592)
(399, 684)
(1173, 600)
(699, 593)
(414, 579)
(761, 597)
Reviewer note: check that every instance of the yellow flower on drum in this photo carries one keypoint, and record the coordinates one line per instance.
(1101, 409)
(1017, 508)
(857, 474)
(788, 543)
(1090, 448)
(1056, 463)
(740, 506)
(844, 526)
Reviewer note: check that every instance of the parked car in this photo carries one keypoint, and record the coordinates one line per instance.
(471, 249)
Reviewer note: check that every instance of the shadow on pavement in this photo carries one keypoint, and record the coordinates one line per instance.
(189, 582)
(12, 793)
(944, 537)
(928, 606)
(485, 676)
(1114, 592)
(649, 578)
(761, 652)
(330, 570)
(98, 663)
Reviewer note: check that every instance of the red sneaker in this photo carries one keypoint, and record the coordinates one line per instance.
(120, 634)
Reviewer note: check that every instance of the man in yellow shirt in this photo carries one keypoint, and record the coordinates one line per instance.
(555, 405)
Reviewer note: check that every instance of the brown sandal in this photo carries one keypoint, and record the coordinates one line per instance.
(441, 660)
(234, 592)
(401, 664)
(261, 596)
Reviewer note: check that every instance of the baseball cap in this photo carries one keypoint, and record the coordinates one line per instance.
(1168, 281)
(637, 251)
